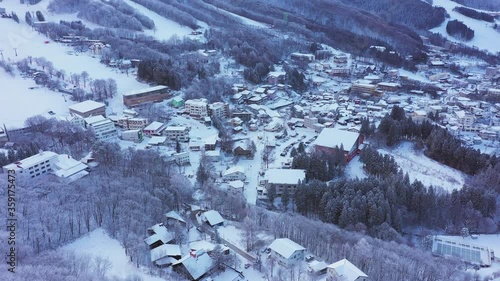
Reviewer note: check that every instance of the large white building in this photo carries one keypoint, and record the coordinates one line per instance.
(104, 129)
(286, 251)
(219, 110)
(234, 173)
(197, 108)
(330, 138)
(462, 248)
(48, 162)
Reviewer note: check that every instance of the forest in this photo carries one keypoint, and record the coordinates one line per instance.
(475, 14)
(459, 30)
(480, 4)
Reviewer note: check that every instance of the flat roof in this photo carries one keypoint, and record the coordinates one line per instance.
(86, 106)
(285, 176)
(154, 126)
(146, 90)
(32, 160)
(330, 137)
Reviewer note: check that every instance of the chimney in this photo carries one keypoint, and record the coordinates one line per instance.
(192, 253)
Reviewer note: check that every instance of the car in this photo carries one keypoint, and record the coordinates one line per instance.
(51, 112)
(267, 251)
(247, 265)
(309, 258)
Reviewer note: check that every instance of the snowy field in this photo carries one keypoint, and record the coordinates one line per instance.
(18, 102)
(420, 167)
(485, 37)
(354, 170)
(98, 244)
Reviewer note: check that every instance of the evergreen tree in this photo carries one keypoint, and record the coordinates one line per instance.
(28, 18)
(15, 17)
(271, 194)
(285, 198)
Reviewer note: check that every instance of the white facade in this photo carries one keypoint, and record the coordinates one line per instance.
(197, 108)
(219, 110)
(104, 129)
(181, 158)
(63, 166)
(179, 133)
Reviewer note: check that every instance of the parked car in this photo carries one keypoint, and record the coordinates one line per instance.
(309, 258)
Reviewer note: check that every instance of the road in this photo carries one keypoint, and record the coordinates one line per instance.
(208, 230)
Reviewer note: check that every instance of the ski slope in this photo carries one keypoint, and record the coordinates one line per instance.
(485, 37)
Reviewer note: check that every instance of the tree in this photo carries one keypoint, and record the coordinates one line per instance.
(40, 16)
(85, 78)
(28, 18)
(15, 17)
(271, 194)
(178, 148)
(285, 198)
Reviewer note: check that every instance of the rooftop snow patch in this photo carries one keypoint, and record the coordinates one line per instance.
(213, 217)
(87, 105)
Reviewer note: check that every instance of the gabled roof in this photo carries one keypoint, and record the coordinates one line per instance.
(213, 217)
(197, 264)
(174, 215)
(161, 234)
(347, 270)
(285, 247)
(234, 169)
(165, 250)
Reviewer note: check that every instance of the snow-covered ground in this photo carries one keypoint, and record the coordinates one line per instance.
(164, 28)
(355, 170)
(243, 19)
(19, 102)
(98, 244)
(485, 37)
(428, 171)
(232, 234)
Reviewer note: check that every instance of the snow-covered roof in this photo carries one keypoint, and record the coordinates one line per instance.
(317, 265)
(346, 270)
(146, 90)
(165, 250)
(285, 176)
(234, 169)
(86, 106)
(236, 184)
(175, 128)
(67, 166)
(213, 217)
(285, 247)
(197, 264)
(161, 234)
(330, 137)
(95, 119)
(157, 140)
(202, 244)
(174, 215)
(154, 126)
(388, 84)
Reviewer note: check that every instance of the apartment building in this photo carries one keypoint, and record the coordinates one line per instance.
(177, 133)
(104, 129)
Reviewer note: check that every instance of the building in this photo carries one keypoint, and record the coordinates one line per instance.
(387, 86)
(177, 102)
(158, 235)
(462, 248)
(331, 138)
(363, 88)
(197, 108)
(236, 187)
(157, 141)
(211, 142)
(234, 173)
(45, 162)
(104, 129)
(282, 179)
(419, 116)
(76, 119)
(132, 135)
(302, 57)
(154, 129)
(132, 123)
(182, 158)
(219, 110)
(165, 254)
(148, 95)
(345, 270)
(212, 218)
(339, 71)
(309, 122)
(287, 252)
(195, 265)
(177, 133)
(466, 120)
(88, 108)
